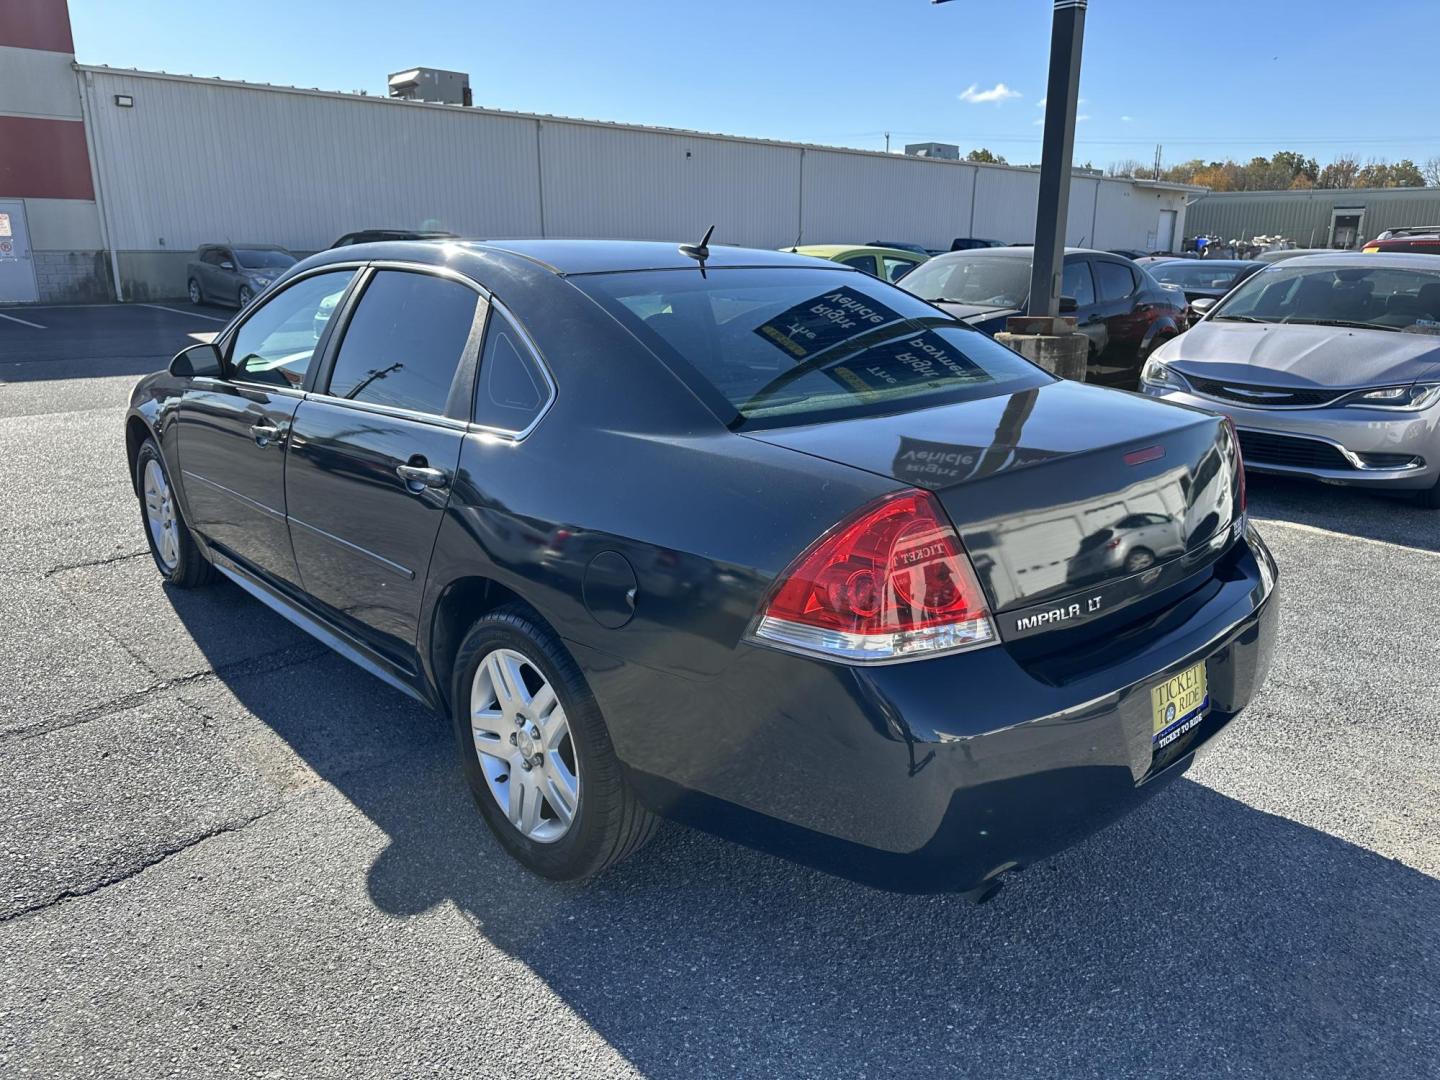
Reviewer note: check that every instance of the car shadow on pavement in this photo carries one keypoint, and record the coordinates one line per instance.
(1198, 936)
(1391, 517)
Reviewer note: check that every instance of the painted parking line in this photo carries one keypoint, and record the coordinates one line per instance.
(22, 322)
(1334, 534)
(179, 311)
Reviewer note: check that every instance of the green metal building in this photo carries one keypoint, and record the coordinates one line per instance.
(1329, 217)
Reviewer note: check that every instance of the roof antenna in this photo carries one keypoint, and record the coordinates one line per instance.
(795, 247)
(700, 251)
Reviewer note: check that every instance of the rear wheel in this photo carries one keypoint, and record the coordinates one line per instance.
(536, 752)
(1139, 559)
(196, 296)
(177, 556)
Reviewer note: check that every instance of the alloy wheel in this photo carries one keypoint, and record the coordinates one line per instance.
(194, 292)
(523, 742)
(160, 514)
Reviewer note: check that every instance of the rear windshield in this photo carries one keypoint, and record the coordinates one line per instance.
(1196, 274)
(783, 345)
(1365, 297)
(263, 258)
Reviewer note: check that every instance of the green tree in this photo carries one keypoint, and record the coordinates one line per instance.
(985, 156)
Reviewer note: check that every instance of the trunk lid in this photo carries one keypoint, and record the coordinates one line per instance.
(1065, 491)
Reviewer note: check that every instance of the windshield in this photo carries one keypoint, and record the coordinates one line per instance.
(263, 259)
(789, 345)
(1196, 274)
(1378, 297)
(985, 280)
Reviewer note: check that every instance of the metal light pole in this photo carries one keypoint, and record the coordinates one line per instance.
(1067, 36)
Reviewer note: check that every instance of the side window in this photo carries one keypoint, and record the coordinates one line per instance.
(861, 262)
(512, 390)
(405, 341)
(1078, 283)
(1115, 280)
(895, 269)
(211, 256)
(275, 345)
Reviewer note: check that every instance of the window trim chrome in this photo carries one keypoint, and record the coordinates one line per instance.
(513, 434)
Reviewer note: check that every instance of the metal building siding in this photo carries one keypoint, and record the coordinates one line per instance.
(856, 199)
(1005, 205)
(651, 185)
(1304, 216)
(192, 163)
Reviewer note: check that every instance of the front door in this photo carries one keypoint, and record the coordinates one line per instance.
(1165, 235)
(233, 432)
(17, 267)
(1116, 363)
(373, 453)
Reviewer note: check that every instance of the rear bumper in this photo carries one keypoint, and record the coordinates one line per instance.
(937, 775)
(1352, 436)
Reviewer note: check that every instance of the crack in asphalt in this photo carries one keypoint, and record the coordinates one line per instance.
(294, 655)
(153, 858)
(122, 557)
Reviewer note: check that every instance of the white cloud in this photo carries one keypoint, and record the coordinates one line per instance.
(1127, 119)
(997, 93)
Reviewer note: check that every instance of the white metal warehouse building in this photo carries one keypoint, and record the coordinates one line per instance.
(177, 161)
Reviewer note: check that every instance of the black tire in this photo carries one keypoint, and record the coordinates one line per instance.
(192, 287)
(609, 822)
(245, 296)
(189, 569)
(1429, 498)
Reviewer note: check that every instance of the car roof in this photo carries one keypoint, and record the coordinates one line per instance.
(1398, 260)
(1020, 251)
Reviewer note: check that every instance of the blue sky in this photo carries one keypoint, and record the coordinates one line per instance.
(1227, 77)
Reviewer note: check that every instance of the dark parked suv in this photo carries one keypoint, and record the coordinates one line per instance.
(741, 538)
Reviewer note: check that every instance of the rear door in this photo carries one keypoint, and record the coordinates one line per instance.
(374, 450)
(1117, 288)
(233, 431)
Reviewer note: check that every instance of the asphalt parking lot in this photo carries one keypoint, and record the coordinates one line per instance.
(228, 850)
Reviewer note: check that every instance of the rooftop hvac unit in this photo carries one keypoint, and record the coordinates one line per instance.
(431, 84)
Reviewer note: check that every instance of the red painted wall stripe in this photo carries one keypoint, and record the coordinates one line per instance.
(44, 159)
(36, 24)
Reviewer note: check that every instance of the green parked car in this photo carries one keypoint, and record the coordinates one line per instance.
(888, 264)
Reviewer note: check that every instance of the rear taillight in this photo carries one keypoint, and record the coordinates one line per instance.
(1239, 466)
(892, 582)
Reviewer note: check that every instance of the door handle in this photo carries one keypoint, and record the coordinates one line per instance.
(419, 477)
(264, 434)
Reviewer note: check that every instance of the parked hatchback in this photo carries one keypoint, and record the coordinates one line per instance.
(234, 274)
(740, 538)
(1124, 311)
(888, 264)
(1328, 364)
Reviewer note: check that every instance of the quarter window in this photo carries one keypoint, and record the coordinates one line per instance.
(512, 390)
(276, 345)
(405, 342)
(1115, 280)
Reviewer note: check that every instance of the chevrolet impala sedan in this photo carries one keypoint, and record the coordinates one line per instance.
(737, 538)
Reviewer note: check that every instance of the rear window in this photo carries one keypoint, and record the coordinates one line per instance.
(774, 346)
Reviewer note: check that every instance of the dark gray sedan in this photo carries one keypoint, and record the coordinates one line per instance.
(739, 538)
(234, 273)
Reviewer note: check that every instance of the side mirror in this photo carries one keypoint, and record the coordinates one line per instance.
(1202, 305)
(227, 265)
(1068, 304)
(198, 361)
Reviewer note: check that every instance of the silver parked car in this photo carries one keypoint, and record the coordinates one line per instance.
(234, 273)
(1329, 365)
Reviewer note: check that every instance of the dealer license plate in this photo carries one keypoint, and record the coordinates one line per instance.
(1178, 705)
